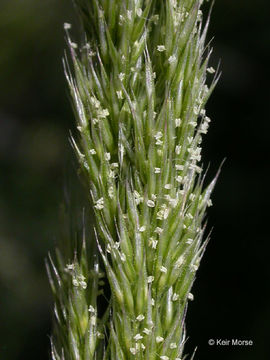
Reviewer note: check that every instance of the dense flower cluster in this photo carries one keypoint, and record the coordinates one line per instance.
(139, 92)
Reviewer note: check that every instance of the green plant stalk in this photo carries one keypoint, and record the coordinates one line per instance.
(139, 92)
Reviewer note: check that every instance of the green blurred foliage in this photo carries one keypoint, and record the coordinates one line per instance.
(35, 160)
(34, 122)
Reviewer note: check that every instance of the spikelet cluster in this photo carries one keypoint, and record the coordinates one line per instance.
(77, 282)
(139, 88)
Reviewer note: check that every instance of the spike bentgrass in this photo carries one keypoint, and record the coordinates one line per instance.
(139, 85)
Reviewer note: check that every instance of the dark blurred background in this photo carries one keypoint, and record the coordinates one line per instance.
(232, 289)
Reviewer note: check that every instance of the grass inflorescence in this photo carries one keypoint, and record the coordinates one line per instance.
(139, 89)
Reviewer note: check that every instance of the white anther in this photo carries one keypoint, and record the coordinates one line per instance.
(159, 339)
(161, 48)
(140, 317)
